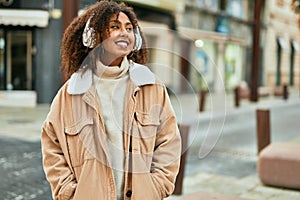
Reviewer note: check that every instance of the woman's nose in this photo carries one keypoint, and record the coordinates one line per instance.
(123, 31)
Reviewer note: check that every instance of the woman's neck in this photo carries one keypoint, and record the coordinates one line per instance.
(109, 61)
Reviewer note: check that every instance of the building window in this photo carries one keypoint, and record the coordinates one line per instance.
(295, 49)
(16, 60)
(280, 42)
(208, 4)
(222, 4)
(282, 45)
(235, 8)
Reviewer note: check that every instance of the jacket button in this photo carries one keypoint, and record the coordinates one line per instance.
(128, 193)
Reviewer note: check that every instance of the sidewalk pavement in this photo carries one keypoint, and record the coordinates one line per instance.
(248, 187)
(25, 124)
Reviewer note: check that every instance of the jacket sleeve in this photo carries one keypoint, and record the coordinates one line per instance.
(166, 156)
(57, 170)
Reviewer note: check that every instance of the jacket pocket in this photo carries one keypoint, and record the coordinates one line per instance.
(145, 187)
(144, 132)
(74, 137)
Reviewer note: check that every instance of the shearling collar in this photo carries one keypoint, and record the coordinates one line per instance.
(80, 81)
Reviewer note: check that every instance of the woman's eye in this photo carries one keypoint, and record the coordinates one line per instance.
(115, 27)
(129, 29)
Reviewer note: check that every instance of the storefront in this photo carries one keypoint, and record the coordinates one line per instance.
(16, 69)
(220, 36)
(24, 62)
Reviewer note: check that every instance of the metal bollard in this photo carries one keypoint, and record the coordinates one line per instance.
(263, 128)
(202, 100)
(184, 131)
(285, 92)
(237, 96)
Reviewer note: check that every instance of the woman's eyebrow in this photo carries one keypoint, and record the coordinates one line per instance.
(117, 21)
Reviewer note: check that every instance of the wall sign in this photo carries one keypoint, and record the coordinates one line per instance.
(223, 25)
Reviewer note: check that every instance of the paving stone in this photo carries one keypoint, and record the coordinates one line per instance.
(262, 192)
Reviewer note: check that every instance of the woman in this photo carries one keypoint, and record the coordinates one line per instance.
(111, 132)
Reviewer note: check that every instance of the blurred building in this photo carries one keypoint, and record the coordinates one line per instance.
(30, 34)
(281, 42)
(30, 39)
(219, 41)
(194, 44)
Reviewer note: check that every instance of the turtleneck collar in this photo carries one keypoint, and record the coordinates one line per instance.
(81, 81)
(112, 72)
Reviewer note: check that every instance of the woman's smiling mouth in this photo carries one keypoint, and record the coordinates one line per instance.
(122, 44)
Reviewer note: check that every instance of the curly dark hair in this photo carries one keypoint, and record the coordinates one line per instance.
(74, 53)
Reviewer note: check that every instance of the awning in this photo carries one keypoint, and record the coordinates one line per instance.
(17, 17)
(195, 34)
(171, 5)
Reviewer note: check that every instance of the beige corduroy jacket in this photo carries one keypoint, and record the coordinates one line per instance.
(75, 152)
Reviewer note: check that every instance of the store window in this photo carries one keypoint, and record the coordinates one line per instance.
(202, 72)
(16, 60)
(235, 8)
(234, 57)
(208, 4)
(21, 60)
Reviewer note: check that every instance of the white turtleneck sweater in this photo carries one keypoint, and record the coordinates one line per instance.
(110, 83)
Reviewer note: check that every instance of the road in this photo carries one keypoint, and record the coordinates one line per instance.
(235, 153)
(21, 171)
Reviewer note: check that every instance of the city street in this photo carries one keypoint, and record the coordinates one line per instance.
(237, 146)
(230, 164)
(230, 168)
(21, 171)
(212, 56)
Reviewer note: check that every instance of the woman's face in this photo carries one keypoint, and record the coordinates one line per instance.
(120, 39)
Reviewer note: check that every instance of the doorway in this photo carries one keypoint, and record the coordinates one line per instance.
(16, 60)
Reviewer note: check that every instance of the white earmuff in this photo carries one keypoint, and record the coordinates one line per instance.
(89, 35)
(138, 39)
